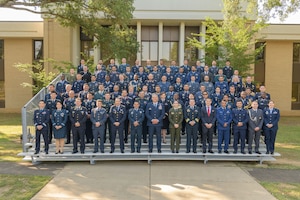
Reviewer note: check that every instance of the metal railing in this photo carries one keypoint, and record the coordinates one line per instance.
(28, 129)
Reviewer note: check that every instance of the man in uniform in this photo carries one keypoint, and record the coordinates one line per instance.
(240, 119)
(117, 116)
(224, 118)
(69, 103)
(86, 75)
(78, 118)
(255, 124)
(98, 119)
(41, 119)
(127, 102)
(51, 106)
(106, 104)
(175, 118)
(89, 104)
(155, 112)
(78, 84)
(136, 117)
(208, 118)
(192, 118)
(143, 103)
(228, 71)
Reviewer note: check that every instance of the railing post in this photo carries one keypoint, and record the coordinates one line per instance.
(24, 129)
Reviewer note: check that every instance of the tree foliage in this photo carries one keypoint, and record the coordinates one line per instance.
(104, 20)
(232, 38)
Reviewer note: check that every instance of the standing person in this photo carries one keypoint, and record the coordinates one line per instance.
(192, 118)
(208, 118)
(69, 103)
(255, 124)
(136, 117)
(271, 118)
(224, 118)
(240, 119)
(117, 116)
(98, 119)
(41, 119)
(59, 119)
(165, 127)
(89, 104)
(155, 112)
(175, 118)
(78, 118)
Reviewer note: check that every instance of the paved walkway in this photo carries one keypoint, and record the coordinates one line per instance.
(162, 180)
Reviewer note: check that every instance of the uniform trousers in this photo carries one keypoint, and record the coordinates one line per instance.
(239, 134)
(99, 132)
(256, 136)
(270, 135)
(78, 133)
(114, 130)
(223, 135)
(192, 134)
(136, 135)
(38, 134)
(154, 130)
(175, 137)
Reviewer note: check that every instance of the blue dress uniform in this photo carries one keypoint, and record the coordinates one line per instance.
(214, 70)
(142, 76)
(69, 104)
(136, 131)
(191, 114)
(78, 114)
(51, 106)
(238, 86)
(228, 71)
(224, 115)
(109, 86)
(117, 114)
(151, 85)
(106, 104)
(99, 95)
(122, 68)
(217, 98)
(59, 118)
(178, 87)
(156, 75)
(129, 76)
(208, 117)
(164, 86)
(122, 85)
(239, 132)
(93, 86)
(194, 87)
(193, 73)
(184, 96)
(143, 104)
(114, 76)
(98, 115)
(127, 102)
(170, 77)
(182, 77)
(77, 86)
(41, 117)
(89, 105)
(223, 86)
(101, 77)
(155, 112)
(271, 117)
(135, 69)
(61, 86)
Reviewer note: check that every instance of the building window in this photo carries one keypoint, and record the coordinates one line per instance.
(149, 44)
(296, 78)
(86, 46)
(190, 52)
(38, 50)
(259, 68)
(170, 43)
(2, 76)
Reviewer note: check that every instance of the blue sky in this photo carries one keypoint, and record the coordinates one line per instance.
(18, 15)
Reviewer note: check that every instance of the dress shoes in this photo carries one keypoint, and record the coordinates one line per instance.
(74, 152)
(226, 151)
(150, 151)
(257, 152)
(219, 151)
(250, 152)
(95, 151)
(210, 151)
(159, 151)
(243, 152)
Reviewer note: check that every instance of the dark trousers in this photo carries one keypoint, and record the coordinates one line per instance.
(223, 135)
(239, 134)
(145, 130)
(155, 130)
(126, 127)
(136, 134)
(38, 134)
(107, 129)
(256, 136)
(78, 133)
(99, 132)
(50, 132)
(88, 131)
(68, 127)
(207, 136)
(270, 136)
(114, 130)
(192, 134)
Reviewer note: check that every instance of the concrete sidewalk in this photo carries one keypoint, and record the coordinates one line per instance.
(162, 180)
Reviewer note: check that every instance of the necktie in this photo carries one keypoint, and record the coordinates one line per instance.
(208, 111)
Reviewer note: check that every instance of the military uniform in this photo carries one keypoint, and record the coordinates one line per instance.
(271, 117)
(59, 118)
(178, 87)
(127, 102)
(194, 87)
(41, 117)
(136, 131)
(192, 114)
(114, 76)
(239, 132)
(223, 86)
(98, 115)
(151, 86)
(106, 104)
(69, 104)
(117, 114)
(143, 104)
(89, 105)
(61, 86)
(51, 106)
(100, 78)
(77, 86)
(109, 86)
(224, 115)
(93, 86)
(122, 68)
(175, 117)
(155, 112)
(256, 119)
(78, 114)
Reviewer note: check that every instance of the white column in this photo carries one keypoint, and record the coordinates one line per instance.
(139, 40)
(97, 52)
(75, 46)
(160, 40)
(202, 40)
(181, 43)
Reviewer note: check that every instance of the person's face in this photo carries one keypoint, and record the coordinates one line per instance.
(173, 63)
(71, 94)
(41, 105)
(185, 62)
(86, 87)
(232, 89)
(116, 88)
(53, 96)
(218, 90)
(208, 102)
(239, 104)
(82, 62)
(178, 80)
(154, 98)
(137, 62)
(107, 96)
(248, 79)
(161, 62)
(164, 79)
(124, 93)
(78, 102)
(142, 94)
(221, 78)
(193, 78)
(93, 78)
(262, 89)
(243, 95)
(192, 102)
(205, 95)
(220, 71)
(136, 105)
(254, 105)
(206, 68)
(72, 71)
(271, 104)
(206, 78)
(117, 102)
(141, 69)
(90, 96)
(227, 63)
(78, 77)
(163, 96)
(107, 78)
(99, 104)
(123, 60)
(58, 105)
(175, 104)
(214, 63)
(186, 87)
(223, 104)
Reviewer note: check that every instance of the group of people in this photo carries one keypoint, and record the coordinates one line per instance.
(142, 101)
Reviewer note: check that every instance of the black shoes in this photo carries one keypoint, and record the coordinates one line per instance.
(95, 151)
(173, 151)
(235, 152)
(177, 151)
(46, 152)
(122, 151)
(250, 152)
(257, 152)
(74, 152)
(150, 151)
(243, 152)
(210, 151)
(226, 151)
(102, 151)
(204, 151)
(159, 151)
(111, 151)
(132, 151)
(36, 152)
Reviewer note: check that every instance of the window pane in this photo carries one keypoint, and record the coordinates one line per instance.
(174, 51)
(166, 50)
(2, 81)
(38, 49)
(145, 51)
(153, 51)
(296, 78)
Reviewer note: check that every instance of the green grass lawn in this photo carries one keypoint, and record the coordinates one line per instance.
(283, 191)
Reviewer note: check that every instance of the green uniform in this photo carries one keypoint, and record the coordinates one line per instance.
(175, 117)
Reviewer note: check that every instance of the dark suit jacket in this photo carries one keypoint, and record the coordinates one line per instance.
(256, 119)
(211, 119)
